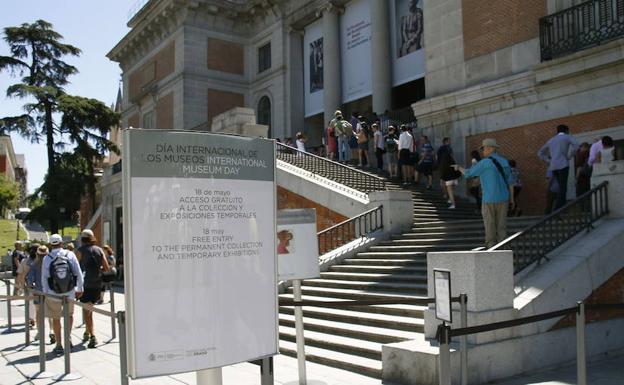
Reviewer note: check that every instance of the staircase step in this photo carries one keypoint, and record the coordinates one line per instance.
(392, 254)
(350, 276)
(385, 262)
(394, 270)
(368, 286)
(364, 366)
(432, 240)
(354, 294)
(410, 311)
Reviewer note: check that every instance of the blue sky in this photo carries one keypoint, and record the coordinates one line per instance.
(91, 25)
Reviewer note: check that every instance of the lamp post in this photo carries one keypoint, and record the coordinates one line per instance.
(62, 222)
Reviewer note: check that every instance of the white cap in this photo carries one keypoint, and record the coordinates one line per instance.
(86, 233)
(56, 239)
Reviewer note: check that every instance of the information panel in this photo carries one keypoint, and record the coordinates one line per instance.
(355, 50)
(442, 290)
(200, 259)
(297, 244)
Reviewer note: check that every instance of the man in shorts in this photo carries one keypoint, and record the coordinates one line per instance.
(425, 164)
(54, 306)
(93, 262)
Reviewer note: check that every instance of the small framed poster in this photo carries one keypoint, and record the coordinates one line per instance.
(442, 293)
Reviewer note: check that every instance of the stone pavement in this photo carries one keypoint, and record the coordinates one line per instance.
(100, 366)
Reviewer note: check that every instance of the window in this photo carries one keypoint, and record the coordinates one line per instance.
(264, 111)
(264, 57)
(148, 120)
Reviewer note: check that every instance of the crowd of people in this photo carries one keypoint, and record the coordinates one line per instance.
(62, 270)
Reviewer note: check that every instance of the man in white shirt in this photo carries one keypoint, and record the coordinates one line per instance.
(63, 260)
(594, 150)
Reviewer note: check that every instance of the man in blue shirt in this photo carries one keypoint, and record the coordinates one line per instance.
(495, 176)
(557, 152)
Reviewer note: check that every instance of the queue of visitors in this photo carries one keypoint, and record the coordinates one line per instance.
(60, 270)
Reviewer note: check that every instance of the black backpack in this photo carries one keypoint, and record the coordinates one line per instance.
(61, 279)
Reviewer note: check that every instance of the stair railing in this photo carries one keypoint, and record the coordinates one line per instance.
(536, 241)
(353, 228)
(340, 173)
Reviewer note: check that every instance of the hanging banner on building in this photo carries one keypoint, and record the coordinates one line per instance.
(313, 68)
(297, 244)
(200, 259)
(355, 50)
(408, 54)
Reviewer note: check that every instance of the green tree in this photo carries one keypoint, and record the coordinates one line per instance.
(9, 194)
(36, 57)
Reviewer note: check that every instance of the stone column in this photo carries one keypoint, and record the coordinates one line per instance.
(332, 76)
(381, 56)
(295, 101)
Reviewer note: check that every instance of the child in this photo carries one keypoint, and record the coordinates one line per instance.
(301, 142)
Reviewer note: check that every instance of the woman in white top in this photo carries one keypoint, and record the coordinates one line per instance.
(406, 143)
(301, 142)
(607, 154)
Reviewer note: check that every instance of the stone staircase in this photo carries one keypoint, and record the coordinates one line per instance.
(351, 338)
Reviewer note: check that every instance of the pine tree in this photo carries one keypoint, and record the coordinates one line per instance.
(37, 53)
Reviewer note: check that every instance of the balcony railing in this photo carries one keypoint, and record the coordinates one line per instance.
(588, 24)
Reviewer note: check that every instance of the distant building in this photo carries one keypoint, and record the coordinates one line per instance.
(21, 177)
(13, 168)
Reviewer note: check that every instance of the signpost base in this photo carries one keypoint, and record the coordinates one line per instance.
(209, 377)
(38, 375)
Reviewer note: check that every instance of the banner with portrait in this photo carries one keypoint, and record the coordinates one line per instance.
(408, 54)
(355, 50)
(313, 68)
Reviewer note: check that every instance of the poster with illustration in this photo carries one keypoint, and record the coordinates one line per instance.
(297, 245)
(408, 42)
(316, 65)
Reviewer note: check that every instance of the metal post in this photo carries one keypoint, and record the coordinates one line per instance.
(299, 333)
(445, 355)
(112, 310)
(8, 287)
(42, 353)
(463, 340)
(581, 368)
(26, 318)
(67, 375)
(123, 363)
(209, 377)
(266, 371)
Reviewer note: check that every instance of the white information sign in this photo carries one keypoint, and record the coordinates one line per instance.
(442, 293)
(297, 244)
(313, 68)
(355, 50)
(200, 258)
(408, 53)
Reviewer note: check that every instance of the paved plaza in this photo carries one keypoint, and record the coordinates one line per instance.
(101, 366)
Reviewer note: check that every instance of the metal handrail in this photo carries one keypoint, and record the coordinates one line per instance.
(581, 26)
(533, 243)
(350, 229)
(348, 176)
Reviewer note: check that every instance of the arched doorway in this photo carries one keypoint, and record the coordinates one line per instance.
(264, 112)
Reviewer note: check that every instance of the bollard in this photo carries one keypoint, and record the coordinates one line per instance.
(266, 371)
(463, 340)
(67, 375)
(581, 368)
(123, 363)
(112, 310)
(42, 334)
(26, 318)
(445, 354)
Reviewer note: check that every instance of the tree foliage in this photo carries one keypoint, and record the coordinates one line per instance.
(37, 53)
(9, 194)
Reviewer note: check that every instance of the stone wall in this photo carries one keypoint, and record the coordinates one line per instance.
(164, 112)
(226, 56)
(492, 25)
(325, 217)
(220, 101)
(156, 69)
(523, 142)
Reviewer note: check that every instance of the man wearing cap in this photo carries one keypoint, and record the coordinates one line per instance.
(495, 174)
(93, 262)
(342, 129)
(54, 306)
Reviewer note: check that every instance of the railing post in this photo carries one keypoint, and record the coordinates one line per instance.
(123, 363)
(26, 317)
(266, 371)
(581, 368)
(445, 354)
(112, 310)
(42, 334)
(8, 302)
(463, 340)
(67, 375)
(300, 339)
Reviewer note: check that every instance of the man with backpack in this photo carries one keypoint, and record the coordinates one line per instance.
(60, 276)
(342, 130)
(93, 262)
